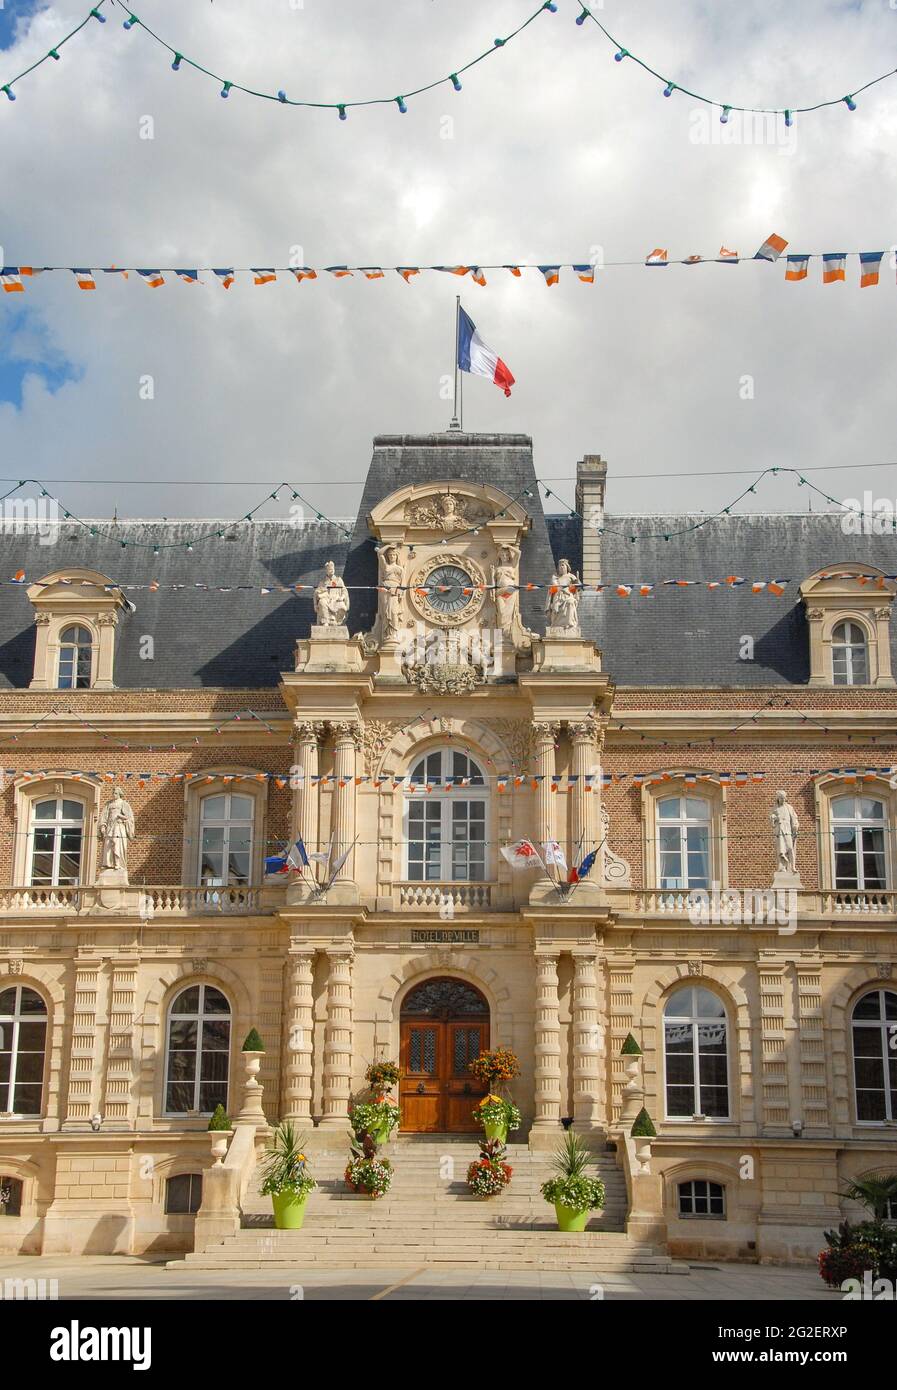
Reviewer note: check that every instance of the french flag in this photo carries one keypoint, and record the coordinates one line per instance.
(478, 359)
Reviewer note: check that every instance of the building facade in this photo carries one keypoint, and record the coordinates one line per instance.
(408, 696)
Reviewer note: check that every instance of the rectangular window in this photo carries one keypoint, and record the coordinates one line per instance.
(701, 1198)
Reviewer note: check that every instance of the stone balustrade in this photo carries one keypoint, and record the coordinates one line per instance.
(460, 897)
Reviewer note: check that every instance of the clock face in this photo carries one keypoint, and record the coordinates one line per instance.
(446, 585)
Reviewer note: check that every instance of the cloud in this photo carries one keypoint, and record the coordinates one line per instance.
(551, 150)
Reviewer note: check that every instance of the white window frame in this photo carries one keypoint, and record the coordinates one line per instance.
(226, 823)
(693, 1020)
(15, 1021)
(884, 1024)
(199, 1017)
(858, 823)
(683, 822)
(445, 800)
(78, 625)
(57, 825)
(848, 646)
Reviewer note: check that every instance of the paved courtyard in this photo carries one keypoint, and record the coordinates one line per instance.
(108, 1277)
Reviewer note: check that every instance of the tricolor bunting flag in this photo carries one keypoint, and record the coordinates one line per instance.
(406, 272)
(478, 359)
(551, 272)
(586, 273)
(870, 264)
(371, 272)
(522, 854)
(11, 280)
(727, 257)
(656, 257)
(189, 277)
(453, 269)
(693, 260)
(153, 278)
(115, 270)
(226, 276)
(514, 269)
(833, 263)
(339, 272)
(262, 277)
(796, 267)
(477, 274)
(771, 249)
(85, 279)
(304, 272)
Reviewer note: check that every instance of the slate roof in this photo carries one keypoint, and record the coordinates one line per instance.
(244, 639)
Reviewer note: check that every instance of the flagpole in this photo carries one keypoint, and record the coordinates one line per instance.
(456, 419)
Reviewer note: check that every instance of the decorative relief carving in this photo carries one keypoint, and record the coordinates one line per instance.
(377, 734)
(200, 965)
(16, 966)
(445, 511)
(517, 736)
(885, 969)
(432, 678)
(695, 967)
(309, 730)
(617, 871)
(41, 618)
(346, 729)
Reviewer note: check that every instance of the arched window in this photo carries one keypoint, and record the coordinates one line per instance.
(702, 1198)
(10, 1195)
(56, 842)
(683, 842)
(23, 1043)
(696, 1054)
(183, 1194)
(850, 661)
(226, 823)
(198, 1052)
(874, 1028)
(445, 829)
(859, 826)
(75, 659)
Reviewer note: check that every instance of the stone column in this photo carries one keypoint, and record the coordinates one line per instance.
(346, 740)
(544, 739)
(587, 1042)
(297, 1085)
(338, 1035)
(584, 818)
(305, 802)
(548, 1044)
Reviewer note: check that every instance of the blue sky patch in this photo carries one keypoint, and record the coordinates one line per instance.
(24, 351)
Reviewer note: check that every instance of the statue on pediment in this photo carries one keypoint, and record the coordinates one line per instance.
(331, 598)
(563, 601)
(506, 597)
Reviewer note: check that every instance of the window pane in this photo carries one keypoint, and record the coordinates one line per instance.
(213, 808)
(241, 808)
(669, 808)
(869, 1006)
(180, 1097)
(187, 1002)
(215, 1001)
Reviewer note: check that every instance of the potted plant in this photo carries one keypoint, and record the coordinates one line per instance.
(220, 1129)
(575, 1195)
(285, 1177)
(381, 1077)
(495, 1068)
(489, 1174)
(497, 1116)
(378, 1118)
(365, 1172)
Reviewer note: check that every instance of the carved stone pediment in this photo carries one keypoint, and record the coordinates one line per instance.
(437, 678)
(445, 511)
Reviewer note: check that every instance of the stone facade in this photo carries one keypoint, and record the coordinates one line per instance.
(325, 753)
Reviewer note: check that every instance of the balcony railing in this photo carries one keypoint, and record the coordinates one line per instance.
(453, 897)
(747, 905)
(137, 900)
(859, 901)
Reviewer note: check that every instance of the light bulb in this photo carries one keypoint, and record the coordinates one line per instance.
(455, 83)
(499, 43)
(618, 57)
(281, 96)
(400, 103)
(851, 104)
(130, 22)
(550, 5)
(669, 89)
(225, 90)
(724, 118)
(176, 65)
(53, 54)
(101, 17)
(342, 113)
(9, 92)
(581, 18)
(789, 119)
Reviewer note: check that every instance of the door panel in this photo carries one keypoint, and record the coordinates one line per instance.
(465, 1041)
(437, 1092)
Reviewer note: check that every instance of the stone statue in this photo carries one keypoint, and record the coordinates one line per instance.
(505, 582)
(392, 580)
(331, 599)
(116, 826)
(563, 604)
(785, 826)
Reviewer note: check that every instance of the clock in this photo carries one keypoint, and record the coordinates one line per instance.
(446, 585)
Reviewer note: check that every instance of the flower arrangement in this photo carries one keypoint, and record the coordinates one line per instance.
(854, 1249)
(285, 1167)
(495, 1110)
(496, 1067)
(572, 1190)
(377, 1118)
(365, 1172)
(381, 1077)
(489, 1174)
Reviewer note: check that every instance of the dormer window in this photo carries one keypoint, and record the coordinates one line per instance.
(76, 648)
(850, 663)
(76, 612)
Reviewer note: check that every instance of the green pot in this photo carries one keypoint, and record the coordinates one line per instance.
(570, 1220)
(381, 1134)
(497, 1130)
(289, 1210)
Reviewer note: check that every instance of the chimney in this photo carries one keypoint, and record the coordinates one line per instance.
(591, 480)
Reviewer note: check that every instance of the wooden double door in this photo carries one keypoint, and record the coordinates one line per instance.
(444, 1026)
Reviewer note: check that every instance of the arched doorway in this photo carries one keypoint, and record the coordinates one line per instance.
(444, 1025)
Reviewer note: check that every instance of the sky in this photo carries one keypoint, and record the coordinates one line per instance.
(190, 401)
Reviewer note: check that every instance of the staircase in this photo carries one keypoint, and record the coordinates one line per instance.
(429, 1218)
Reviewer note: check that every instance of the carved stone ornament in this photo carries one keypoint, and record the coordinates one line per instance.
(376, 738)
(16, 966)
(695, 967)
(885, 969)
(41, 618)
(432, 678)
(445, 511)
(517, 737)
(617, 871)
(309, 730)
(200, 965)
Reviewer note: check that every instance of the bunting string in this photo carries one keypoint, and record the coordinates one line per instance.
(400, 101)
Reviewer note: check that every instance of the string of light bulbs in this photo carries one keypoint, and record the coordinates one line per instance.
(400, 101)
